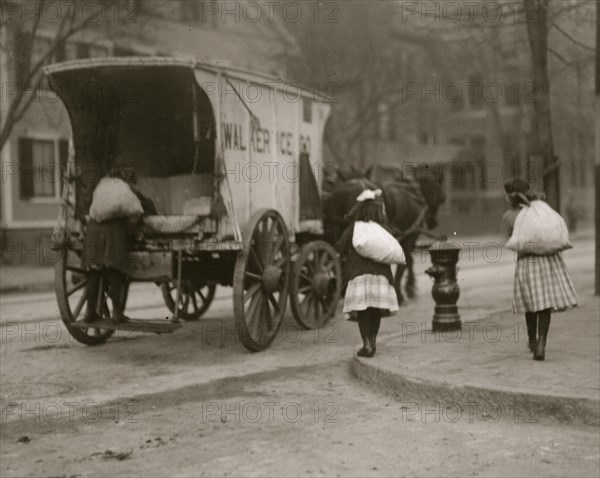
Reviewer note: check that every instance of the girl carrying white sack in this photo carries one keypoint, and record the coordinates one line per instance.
(368, 249)
(542, 283)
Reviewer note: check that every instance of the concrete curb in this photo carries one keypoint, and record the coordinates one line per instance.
(526, 407)
(20, 289)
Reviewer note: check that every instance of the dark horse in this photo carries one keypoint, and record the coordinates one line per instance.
(411, 206)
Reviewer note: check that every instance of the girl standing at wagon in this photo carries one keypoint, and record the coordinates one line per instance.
(368, 283)
(542, 283)
(105, 247)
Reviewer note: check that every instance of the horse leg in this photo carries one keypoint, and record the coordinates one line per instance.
(398, 283)
(411, 283)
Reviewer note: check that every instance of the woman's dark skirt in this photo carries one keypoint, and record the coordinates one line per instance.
(105, 245)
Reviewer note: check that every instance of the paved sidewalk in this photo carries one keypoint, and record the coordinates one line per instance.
(487, 366)
(31, 278)
(26, 278)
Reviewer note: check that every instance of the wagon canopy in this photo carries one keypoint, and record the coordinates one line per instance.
(125, 112)
(170, 117)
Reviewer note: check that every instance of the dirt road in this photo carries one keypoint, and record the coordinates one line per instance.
(196, 403)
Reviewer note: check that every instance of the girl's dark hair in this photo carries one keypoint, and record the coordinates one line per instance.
(369, 210)
(123, 172)
(519, 192)
(516, 185)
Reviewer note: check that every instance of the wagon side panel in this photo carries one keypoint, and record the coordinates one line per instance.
(232, 123)
(287, 103)
(311, 124)
(262, 167)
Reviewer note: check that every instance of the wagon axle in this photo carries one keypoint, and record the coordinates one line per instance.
(273, 279)
(323, 284)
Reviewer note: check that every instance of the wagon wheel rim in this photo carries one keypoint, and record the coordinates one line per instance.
(71, 281)
(194, 301)
(316, 285)
(261, 280)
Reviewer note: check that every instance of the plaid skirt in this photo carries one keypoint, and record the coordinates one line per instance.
(369, 290)
(542, 282)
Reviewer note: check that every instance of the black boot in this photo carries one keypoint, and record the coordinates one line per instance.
(364, 325)
(543, 326)
(531, 321)
(117, 284)
(91, 292)
(375, 322)
(367, 348)
(374, 343)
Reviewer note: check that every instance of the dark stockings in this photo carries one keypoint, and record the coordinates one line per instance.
(531, 320)
(369, 321)
(91, 292)
(543, 327)
(538, 324)
(115, 283)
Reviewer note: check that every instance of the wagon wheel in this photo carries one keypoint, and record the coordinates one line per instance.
(261, 280)
(195, 298)
(316, 285)
(70, 282)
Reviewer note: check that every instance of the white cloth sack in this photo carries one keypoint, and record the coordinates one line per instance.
(373, 242)
(113, 198)
(540, 230)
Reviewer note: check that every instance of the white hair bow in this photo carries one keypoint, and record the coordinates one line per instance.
(368, 194)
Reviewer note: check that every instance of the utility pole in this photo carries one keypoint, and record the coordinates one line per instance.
(597, 161)
(536, 12)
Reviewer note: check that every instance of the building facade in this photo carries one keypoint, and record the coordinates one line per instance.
(229, 32)
(462, 98)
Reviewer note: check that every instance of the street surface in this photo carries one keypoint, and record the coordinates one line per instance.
(197, 403)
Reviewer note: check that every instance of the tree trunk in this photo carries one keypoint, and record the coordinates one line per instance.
(536, 12)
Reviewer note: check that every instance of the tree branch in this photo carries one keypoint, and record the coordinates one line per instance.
(574, 40)
(31, 80)
(559, 56)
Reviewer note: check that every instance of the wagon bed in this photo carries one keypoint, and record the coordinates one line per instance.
(218, 165)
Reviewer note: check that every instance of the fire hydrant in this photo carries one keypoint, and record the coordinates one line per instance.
(445, 291)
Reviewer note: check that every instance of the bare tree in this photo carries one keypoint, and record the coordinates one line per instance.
(536, 12)
(22, 22)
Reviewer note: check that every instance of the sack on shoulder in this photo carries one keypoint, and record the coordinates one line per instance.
(373, 242)
(540, 230)
(112, 199)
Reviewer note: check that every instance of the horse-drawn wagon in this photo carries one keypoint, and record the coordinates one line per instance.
(232, 161)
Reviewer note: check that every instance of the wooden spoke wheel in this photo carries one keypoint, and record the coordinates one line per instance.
(194, 301)
(70, 284)
(261, 280)
(316, 285)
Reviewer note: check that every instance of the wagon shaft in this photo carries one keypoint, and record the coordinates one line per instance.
(132, 325)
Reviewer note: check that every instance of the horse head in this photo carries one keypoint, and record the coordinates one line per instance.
(341, 197)
(432, 187)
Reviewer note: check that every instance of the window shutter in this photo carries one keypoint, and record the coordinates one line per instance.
(26, 167)
(22, 56)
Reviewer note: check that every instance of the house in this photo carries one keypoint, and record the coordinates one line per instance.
(461, 94)
(229, 32)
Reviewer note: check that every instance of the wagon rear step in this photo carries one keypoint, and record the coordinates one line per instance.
(133, 325)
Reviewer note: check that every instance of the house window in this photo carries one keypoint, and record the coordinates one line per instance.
(82, 50)
(118, 51)
(41, 163)
(60, 54)
(383, 121)
(189, 10)
(202, 11)
(395, 120)
(474, 92)
(29, 51)
(307, 110)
